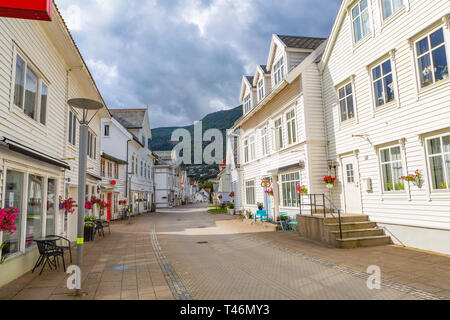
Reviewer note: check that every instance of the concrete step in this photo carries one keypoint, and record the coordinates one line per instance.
(363, 242)
(351, 225)
(358, 233)
(346, 218)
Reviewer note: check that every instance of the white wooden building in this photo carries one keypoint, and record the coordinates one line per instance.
(386, 91)
(282, 136)
(40, 69)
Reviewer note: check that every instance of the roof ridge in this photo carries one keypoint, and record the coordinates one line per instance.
(303, 37)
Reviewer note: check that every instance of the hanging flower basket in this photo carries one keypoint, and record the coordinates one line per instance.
(302, 189)
(416, 178)
(88, 205)
(329, 181)
(269, 192)
(113, 182)
(69, 205)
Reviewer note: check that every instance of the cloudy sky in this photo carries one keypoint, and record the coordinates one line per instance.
(184, 58)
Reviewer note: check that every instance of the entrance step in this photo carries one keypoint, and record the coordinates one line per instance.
(358, 233)
(363, 242)
(351, 225)
(347, 218)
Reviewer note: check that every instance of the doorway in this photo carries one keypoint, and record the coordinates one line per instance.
(352, 186)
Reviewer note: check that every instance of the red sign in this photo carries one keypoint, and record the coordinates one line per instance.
(113, 182)
(27, 9)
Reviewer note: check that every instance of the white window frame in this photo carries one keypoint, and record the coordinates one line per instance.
(359, 16)
(442, 155)
(264, 141)
(291, 183)
(248, 103)
(391, 162)
(291, 127)
(279, 143)
(279, 70)
(40, 81)
(382, 79)
(107, 133)
(72, 128)
(416, 56)
(252, 143)
(352, 94)
(246, 150)
(250, 184)
(393, 12)
(261, 89)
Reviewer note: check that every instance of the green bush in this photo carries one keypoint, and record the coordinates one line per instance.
(230, 206)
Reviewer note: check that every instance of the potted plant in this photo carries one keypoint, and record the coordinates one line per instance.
(230, 209)
(260, 205)
(248, 214)
(416, 178)
(329, 181)
(302, 189)
(89, 228)
(8, 217)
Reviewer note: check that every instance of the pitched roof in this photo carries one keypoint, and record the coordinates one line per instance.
(250, 79)
(264, 68)
(301, 42)
(129, 118)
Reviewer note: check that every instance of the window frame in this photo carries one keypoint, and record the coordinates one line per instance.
(382, 79)
(381, 4)
(291, 127)
(106, 133)
(442, 154)
(292, 183)
(265, 141)
(352, 20)
(279, 70)
(248, 103)
(252, 147)
(261, 91)
(72, 128)
(279, 143)
(247, 187)
(430, 51)
(345, 98)
(245, 146)
(391, 162)
(40, 79)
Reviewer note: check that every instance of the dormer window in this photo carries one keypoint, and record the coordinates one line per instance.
(247, 103)
(260, 89)
(360, 17)
(278, 71)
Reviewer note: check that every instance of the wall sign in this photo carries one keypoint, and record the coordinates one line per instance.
(27, 9)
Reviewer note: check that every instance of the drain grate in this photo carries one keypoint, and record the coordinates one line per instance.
(202, 242)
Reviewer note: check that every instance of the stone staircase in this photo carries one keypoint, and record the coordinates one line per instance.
(357, 231)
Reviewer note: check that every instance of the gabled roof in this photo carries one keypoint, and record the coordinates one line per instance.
(130, 118)
(301, 42)
(246, 81)
(260, 69)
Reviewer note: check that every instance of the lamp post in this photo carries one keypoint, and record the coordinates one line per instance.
(85, 105)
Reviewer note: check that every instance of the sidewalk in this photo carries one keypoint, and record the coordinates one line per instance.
(415, 268)
(120, 266)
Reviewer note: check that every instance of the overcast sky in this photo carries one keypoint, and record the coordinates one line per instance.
(184, 58)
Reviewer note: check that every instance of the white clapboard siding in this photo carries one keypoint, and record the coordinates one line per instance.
(418, 113)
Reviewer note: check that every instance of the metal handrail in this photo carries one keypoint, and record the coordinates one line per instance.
(314, 204)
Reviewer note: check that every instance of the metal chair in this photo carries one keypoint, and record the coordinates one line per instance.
(64, 247)
(99, 228)
(283, 223)
(48, 249)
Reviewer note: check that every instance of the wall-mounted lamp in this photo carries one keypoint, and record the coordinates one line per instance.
(362, 136)
(332, 165)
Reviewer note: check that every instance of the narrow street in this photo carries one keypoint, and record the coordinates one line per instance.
(186, 253)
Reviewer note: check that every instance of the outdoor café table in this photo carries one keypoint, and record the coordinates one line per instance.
(46, 247)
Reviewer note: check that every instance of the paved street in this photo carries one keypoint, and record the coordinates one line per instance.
(186, 253)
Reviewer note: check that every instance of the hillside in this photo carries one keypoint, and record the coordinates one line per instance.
(221, 120)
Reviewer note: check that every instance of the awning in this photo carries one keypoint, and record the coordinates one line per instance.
(32, 153)
(299, 165)
(111, 158)
(93, 176)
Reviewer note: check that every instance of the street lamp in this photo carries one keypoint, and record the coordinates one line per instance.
(85, 105)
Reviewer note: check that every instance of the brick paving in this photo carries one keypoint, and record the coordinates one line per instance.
(121, 266)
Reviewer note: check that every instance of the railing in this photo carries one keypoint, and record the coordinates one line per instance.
(313, 204)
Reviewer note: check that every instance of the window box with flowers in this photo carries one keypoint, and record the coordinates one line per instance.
(416, 178)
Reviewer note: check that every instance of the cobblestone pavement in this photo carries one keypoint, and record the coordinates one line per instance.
(216, 261)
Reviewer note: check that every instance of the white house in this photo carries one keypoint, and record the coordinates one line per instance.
(140, 174)
(40, 69)
(166, 180)
(282, 136)
(386, 92)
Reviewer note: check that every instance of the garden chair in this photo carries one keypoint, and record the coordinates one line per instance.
(66, 246)
(99, 228)
(48, 249)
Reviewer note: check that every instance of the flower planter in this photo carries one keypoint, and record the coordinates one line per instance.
(88, 234)
(230, 211)
(330, 186)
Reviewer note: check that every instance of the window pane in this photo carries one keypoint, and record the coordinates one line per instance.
(440, 63)
(446, 142)
(74, 128)
(387, 10)
(397, 4)
(447, 168)
(387, 177)
(34, 209)
(434, 146)
(436, 38)
(70, 126)
(426, 76)
(363, 4)
(43, 103)
(51, 209)
(13, 198)
(395, 152)
(350, 111)
(397, 173)
(378, 91)
(437, 174)
(385, 156)
(30, 94)
(422, 46)
(365, 23)
(19, 82)
(355, 11)
(388, 87)
(386, 67)
(357, 29)
(348, 89)
(341, 93)
(376, 72)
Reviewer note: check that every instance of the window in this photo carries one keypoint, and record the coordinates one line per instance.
(392, 169)
(14, 187)
(360, 17)
(245, 151)
(260, 89)
(102, 167)
(350, 173)
(145, 171)
(106, 130)
(346, 102)
(278, 71)
(252, 148)
(292, 132)
(390, 6)
(264, 141)
(289, 183)
(116, 170)
(278, 134)
(383, 86)
(30, 91)
(51, 208)
(110, 169)
(432, 58)
(92, 145)
(72, 127)
(250, 192)
(132, 165)
(34, 209)
(439, 161)
(142, 170)
(247, 103)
